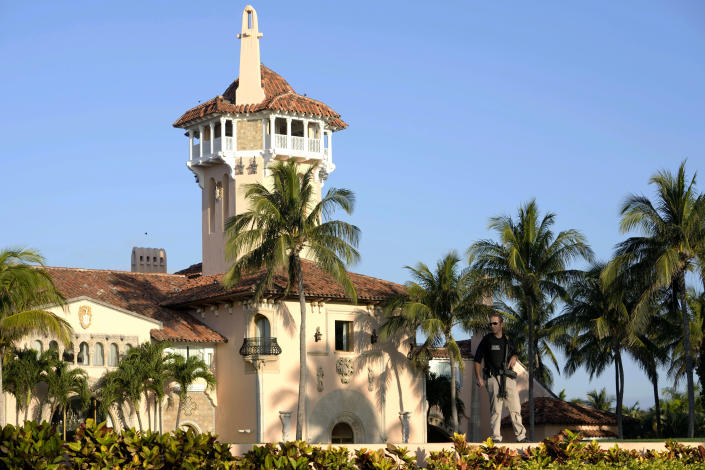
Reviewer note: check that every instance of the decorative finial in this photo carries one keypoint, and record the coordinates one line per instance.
(249, 89)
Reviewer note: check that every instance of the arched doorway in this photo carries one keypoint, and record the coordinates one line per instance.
(342, 433)
(76, 415)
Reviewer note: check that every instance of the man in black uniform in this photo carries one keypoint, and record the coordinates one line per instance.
(499, 354)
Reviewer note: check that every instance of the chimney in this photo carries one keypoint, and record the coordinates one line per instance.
(148, 260)
(249, 89)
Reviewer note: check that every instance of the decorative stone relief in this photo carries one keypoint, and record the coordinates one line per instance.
(189, 407)
(285, 417)
(218, 191)
(252, 167)
(319, 378)
(345, 369)
(404, 418)
(85, 316)
(322, 174)
(239, 167)
(370, 379)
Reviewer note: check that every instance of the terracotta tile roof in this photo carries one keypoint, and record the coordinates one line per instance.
(317, 284)
(278, 96)
(140, 293)
(550, 410)
(463, 344)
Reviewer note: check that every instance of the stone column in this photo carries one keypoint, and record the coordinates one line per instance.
(288, 132)
(212, 134)
(190, 144)
(222, 135)
(305, 135)
(285, 417)
(272, 131)
(200, 142)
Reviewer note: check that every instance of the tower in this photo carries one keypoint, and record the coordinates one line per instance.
(233, 138)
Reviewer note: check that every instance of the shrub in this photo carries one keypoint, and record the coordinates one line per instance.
(31, 446)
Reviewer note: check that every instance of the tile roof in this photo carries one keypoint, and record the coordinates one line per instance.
(317, 284)
(463, 344)
(549, 410)
(278, 96)
(140, 293)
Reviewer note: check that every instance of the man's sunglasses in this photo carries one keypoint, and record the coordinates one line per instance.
(493, 323)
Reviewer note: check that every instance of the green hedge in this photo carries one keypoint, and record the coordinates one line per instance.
(39, 446)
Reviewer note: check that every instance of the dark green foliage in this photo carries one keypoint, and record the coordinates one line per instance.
(39, 446)
(31, 446)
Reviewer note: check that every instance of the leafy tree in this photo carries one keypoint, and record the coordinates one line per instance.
(529, 264)
(64, 383)
(673, 231)
(184, 372)
(284, 223)
(438, 394)
(150, 360)
(24, 288)
(436, 302)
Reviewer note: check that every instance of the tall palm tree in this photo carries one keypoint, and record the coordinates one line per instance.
(63, 384)
(24, 290)
(436, 302)
(184, 372)
(282, 223)
(516, 327)
(126, 384)
(529, 264)
(673, 231)
(599, 325)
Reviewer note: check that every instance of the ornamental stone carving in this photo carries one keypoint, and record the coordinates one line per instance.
(370, 380)
(189, 406)
(319, 377)
(345, 369)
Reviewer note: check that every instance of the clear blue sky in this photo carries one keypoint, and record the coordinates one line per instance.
(458, 111)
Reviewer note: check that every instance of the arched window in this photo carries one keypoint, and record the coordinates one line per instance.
(262, 329)
(342, 434)
(83, 357)
(38, 346)
(68, 355)
(113, 355)
(98, 354)
(53, 345)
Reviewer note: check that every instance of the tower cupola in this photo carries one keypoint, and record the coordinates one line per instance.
(233, 138)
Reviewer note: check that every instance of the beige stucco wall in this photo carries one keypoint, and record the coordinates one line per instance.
(370, 402)
(248, 170)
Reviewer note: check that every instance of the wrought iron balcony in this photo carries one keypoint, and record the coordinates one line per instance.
(260, 347)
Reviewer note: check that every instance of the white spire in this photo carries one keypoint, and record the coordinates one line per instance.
(249, 89)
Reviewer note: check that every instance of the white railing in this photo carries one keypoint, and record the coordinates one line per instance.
(280, 141)
(196, 151)
(314, 145)
(217, 142)
(297, 143)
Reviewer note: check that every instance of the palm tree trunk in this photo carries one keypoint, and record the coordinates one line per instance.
(178, 411)
(139, 416)
(149, 413)
(300, 406)
(657, 406)
(619, 385)
(530, 312)
(63, 413)
(26, 405)
(453, 404)
(688, 356)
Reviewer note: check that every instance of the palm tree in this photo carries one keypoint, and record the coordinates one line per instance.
(436, 302)
(65, 383)
(126, 384)
(283, 222)
(599, 400)
(184, 372)
(25, 370)
(528, 265)
(149, 360)
(673, 236)
(438, 394)
(516, 327)
(24, 289)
